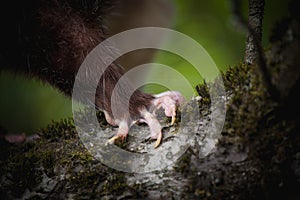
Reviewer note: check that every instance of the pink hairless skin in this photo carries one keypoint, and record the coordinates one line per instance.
(167, 100)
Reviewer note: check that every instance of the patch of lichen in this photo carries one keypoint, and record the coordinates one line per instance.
(267, 128)
(248, 101)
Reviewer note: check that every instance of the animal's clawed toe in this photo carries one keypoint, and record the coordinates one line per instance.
(168, 101)
(122, 133)
(158, 141)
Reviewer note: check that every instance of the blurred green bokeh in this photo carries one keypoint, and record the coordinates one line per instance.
(26, 105)
(211, 24)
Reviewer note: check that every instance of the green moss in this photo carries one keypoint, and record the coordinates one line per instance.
(183, 164)
(59, 154)
(20, 167)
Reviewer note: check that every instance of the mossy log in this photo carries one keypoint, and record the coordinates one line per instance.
(256, 157)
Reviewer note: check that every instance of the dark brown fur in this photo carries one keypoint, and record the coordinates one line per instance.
(50, 39)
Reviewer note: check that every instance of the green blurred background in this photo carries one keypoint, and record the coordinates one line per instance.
(28, 104)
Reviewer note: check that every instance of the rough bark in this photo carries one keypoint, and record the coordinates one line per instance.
(255, 23)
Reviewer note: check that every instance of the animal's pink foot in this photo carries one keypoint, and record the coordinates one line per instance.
(154, 125)
(168, 101)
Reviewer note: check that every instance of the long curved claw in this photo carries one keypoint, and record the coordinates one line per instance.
(158, 141)
(112, 140)
(169, 101)
(173, 120)
(122, 133)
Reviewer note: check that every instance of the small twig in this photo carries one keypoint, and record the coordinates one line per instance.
(254, 51)
(255, 20)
